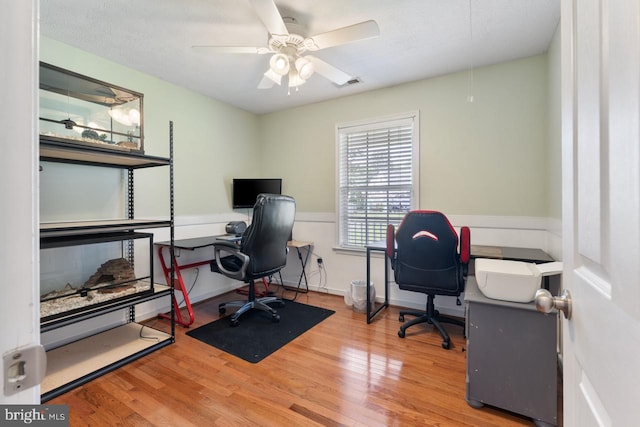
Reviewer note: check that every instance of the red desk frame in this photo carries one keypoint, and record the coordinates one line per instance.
(178, 284)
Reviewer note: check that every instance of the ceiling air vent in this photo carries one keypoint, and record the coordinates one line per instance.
(351, 82)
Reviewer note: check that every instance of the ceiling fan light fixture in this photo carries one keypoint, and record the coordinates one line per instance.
(294, 79)
(279, 63)
(304, 67)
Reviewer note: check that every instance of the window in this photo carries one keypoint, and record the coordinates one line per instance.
(378, 177)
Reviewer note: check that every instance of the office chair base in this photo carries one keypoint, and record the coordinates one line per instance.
(433, 318)
(265, 293)
(258, 304)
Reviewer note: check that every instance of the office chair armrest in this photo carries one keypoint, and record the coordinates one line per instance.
(234, 250)
(465, 245)
(391, 241)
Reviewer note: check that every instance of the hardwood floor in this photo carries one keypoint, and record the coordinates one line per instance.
(342, 372)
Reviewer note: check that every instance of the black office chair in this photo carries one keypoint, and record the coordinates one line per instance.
(261, 253)
(428, 259)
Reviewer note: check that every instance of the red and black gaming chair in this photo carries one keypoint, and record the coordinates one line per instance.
(428, 258)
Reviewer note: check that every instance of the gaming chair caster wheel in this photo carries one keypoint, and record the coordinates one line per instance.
(234, 322)
(401, 333)
(446, 345)
(275, 318)
(401, 318)
(222, 310)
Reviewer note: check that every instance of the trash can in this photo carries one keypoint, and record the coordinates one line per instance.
(359, 295)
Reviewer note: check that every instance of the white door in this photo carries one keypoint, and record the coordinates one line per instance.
(601, 211)
(19, 244)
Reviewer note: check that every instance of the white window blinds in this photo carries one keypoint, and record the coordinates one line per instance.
(377, 180)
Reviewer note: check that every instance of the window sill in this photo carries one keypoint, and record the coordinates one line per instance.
(357, 252)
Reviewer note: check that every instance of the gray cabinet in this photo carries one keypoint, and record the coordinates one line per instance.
(511, 356)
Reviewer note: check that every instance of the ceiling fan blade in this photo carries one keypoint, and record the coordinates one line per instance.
(232, 49)
(110, 97)
(330, 72)
(269, 79)
(270, 17)
(266, 83)
(362, 31)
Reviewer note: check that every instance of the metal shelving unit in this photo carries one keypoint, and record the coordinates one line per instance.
(81, 361)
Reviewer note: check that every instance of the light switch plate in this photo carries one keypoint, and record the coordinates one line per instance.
(23, 368)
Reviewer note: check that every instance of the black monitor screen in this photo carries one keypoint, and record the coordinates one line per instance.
(245, 191)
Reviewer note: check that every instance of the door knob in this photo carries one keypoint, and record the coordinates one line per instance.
(545, 302)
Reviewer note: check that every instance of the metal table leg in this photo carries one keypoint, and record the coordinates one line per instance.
(385, 304)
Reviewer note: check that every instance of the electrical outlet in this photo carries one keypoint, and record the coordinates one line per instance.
(23, 368)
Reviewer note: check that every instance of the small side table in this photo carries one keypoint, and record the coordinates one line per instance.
(298, 245)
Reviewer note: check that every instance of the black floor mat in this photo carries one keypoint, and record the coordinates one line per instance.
(257, 336)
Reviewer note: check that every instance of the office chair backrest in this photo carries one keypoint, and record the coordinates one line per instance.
(427, 258)
(265, 240)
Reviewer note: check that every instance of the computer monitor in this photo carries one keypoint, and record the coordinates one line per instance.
(244, 191)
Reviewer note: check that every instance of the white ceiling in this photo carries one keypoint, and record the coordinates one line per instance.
(418, 39)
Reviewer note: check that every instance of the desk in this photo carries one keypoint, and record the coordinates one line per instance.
(379, 246)
(203, 242)
(510, 253)
(511, 356)
(477, 251)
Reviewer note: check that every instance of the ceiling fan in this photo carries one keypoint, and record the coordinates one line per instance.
(287, 47)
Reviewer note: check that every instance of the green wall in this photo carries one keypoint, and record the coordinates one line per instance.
(488, 157)
(554, 155)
